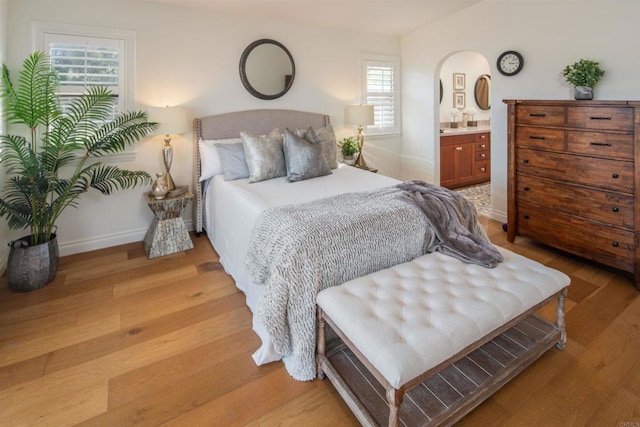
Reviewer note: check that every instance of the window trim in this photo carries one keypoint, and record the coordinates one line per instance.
(40, 28)
(367, 59)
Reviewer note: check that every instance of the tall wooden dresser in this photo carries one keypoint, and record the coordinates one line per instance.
(574, 178)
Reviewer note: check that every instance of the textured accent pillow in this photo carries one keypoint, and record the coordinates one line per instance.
(264, 155)
(327, 138)
(210, 164)
(304, 158)
(234, 165)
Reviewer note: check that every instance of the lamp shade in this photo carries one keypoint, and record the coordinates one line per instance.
(173, 120)
(359, 114)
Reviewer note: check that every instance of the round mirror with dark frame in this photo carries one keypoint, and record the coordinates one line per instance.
(267, 69)
(482, 92)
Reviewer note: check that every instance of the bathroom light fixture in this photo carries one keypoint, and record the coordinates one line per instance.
(361, 115)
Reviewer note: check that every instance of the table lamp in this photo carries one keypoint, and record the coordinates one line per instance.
(173, 121)
(361, 115)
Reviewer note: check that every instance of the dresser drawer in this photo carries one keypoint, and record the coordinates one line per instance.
(464, 138)
(483, 155)
(552, 139)
(616, 175)
(543, 115)
(603, 118)
(601, 144)
(484, 137)
(602, 206)
(483, 169)
(483, 146)
(607, 245)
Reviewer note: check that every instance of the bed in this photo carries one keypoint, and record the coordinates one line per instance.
(230, 212)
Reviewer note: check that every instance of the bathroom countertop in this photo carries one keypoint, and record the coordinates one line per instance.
(458, 131)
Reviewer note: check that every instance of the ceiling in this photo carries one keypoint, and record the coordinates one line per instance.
(384, 17)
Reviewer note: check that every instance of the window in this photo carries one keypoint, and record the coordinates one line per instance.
(85, 57)
(382, 90)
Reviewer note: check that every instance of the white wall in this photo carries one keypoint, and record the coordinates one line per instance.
(190, 57)
(549, 34)
(4, 228)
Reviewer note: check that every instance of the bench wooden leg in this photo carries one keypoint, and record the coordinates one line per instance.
(394, 400)
(322, 347)
(560, 320)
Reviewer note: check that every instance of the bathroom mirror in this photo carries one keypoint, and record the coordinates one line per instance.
(267, 69)
(482, 92)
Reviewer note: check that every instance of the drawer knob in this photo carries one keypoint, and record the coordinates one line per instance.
(483, 146)
(458, 148)
(526, 217)
(526, 162)
(526, 188)
(483, 136)
(483, 169)
(615, 244)
(483, 155)
(537, 115)
(615, 209)
(615, 176)
(601, 144)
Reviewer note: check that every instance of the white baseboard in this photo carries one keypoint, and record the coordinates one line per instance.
(498, 215)
(105, 241)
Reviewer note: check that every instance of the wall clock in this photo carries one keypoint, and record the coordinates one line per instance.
(510, 63)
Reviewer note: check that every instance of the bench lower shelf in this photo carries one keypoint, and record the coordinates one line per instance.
(454, 391)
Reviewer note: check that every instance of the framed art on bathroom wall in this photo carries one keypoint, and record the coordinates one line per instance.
(458, 100)
(458, 81)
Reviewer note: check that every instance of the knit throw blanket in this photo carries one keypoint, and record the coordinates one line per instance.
(455, 223)
(298, 250)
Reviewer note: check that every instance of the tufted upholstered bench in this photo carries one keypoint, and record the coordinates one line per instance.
(437, 334)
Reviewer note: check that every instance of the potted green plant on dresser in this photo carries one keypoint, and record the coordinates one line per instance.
(55, 163)
(583, 75)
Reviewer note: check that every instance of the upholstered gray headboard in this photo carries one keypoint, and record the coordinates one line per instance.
(229, 125)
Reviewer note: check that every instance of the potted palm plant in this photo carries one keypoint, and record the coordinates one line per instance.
(54, 164)
(583, 75)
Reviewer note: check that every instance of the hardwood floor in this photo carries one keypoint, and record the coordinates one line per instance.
(118, 340)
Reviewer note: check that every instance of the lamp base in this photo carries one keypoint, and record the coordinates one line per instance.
(170, 184)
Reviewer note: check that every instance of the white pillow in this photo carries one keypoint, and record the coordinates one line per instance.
(210, 164)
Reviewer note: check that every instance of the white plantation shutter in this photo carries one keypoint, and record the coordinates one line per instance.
(89, 56)
(85, 56)
(382, 91)
(82, 62)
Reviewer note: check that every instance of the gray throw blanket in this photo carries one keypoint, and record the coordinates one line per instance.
(455, 223)
(298, 250)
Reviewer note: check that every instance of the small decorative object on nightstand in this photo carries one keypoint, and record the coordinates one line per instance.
(167, 233)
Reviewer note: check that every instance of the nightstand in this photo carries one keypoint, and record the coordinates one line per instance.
(167, 233)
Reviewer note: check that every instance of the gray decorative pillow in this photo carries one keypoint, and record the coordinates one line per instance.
(304, 158)
(232, 159)
(264, 155)
(327, 137)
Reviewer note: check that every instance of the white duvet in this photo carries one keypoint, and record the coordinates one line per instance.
(231, 209)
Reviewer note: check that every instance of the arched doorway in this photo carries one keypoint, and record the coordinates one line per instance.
(464, 114)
